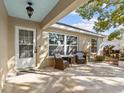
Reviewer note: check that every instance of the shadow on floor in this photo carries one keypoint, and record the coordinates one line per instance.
(98, 78)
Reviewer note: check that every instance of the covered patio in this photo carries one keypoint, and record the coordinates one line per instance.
(27, 50)
(90, 78)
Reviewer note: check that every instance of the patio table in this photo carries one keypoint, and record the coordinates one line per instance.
(68, 58)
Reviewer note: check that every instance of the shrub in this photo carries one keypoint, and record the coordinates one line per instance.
(107, 58)
(122, 54)
(121, 58)
(99, 58)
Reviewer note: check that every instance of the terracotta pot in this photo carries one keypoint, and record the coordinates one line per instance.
(113, 61)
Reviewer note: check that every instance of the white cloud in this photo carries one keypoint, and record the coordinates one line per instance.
(74, 13)
(85, 24)
(104, 5)
(121, 26)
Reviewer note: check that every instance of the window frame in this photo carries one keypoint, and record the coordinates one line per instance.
(65, 40)
(66, 45)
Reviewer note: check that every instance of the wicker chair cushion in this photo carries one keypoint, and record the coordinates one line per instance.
(80, 55)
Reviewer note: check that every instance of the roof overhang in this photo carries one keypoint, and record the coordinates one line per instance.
(76, 30)
(60, 10)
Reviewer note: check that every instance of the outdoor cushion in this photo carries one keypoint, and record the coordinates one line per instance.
(58, 55)
(80, 55)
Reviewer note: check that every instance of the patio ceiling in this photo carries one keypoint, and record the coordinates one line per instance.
(45, 11)
(17, 8)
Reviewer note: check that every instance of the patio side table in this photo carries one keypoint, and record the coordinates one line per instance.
(69, 58)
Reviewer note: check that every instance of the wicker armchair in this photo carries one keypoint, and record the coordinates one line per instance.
(60, 63)
(80, 57)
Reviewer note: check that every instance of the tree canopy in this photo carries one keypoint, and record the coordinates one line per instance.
(109, 13)
(117, 34)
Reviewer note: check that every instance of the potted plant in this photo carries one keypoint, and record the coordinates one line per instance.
(121, 62)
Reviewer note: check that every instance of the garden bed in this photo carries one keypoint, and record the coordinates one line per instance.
(113, 61)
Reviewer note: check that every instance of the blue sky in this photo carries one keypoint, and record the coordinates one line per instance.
(75, 20)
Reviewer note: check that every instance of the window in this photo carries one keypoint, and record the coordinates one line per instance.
(93, 45)
(56, 44)
(25, 44)
(71, 45)
(64, 44)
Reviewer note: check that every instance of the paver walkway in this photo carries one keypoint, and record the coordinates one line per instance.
(91, 78)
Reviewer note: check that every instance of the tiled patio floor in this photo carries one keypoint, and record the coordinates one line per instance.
(91, 78)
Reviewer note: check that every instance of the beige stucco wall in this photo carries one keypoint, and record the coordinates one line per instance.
(41, 39)
(42, 58)
(3, 44)
(3, 35)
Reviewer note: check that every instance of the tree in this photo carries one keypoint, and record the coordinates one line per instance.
(110, 13)
(117, 34)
